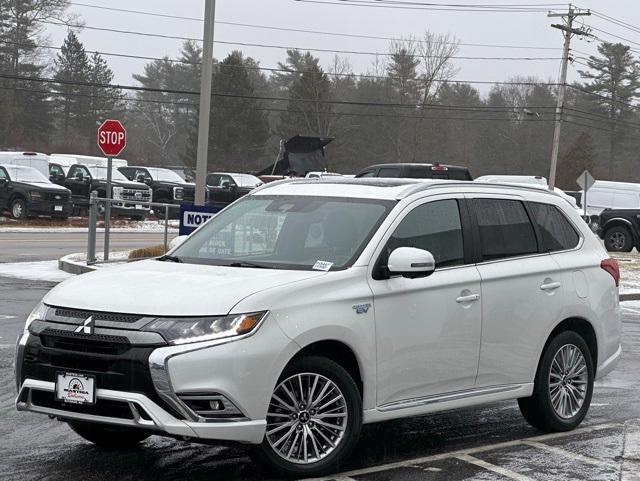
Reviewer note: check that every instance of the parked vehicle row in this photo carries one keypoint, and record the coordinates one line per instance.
(326, 304)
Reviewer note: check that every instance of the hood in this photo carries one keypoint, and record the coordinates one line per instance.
(49, 186)
(157, 288)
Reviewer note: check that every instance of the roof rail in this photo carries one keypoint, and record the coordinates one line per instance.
(423, 186)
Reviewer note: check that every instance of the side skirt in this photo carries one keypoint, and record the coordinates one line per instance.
(444, 402)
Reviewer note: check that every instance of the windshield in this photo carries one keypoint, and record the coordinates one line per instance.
(165, 175)
(101, 173)
(286, 232)
(26, 174)
(246, 180)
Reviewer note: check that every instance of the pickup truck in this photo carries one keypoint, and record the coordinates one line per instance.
(619, 229)
(25, 192)
(83, 179)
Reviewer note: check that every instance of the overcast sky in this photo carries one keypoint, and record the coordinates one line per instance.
(519, 29)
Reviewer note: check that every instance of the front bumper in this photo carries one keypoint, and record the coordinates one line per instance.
(48, 208)
(141, 385)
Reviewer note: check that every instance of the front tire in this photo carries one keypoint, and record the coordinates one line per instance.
(109, 437)
(19, 209)
(313, 421)
(618, 239)
(563, 385)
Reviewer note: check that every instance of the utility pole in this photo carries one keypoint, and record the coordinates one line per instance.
(205, 101)
(568, 32)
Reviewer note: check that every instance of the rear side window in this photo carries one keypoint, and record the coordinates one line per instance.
(505, 229)
(389, 172)
(556, 231)
(434, 227)
(419, 173)
(368, 173)
(3, 174)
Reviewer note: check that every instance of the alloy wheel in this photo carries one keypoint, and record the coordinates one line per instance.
(307, 418)
(568, 381)
(16, 210)
(617, 240)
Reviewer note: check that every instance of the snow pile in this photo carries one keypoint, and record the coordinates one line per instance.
(34, 271)
(629, 272)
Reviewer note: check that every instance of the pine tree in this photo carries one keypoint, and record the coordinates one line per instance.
(72, 96)
(238, 126)
(580, 156)
(103, 101)
(614, 84)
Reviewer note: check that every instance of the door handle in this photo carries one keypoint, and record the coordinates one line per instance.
(550, 286)
(469, 298)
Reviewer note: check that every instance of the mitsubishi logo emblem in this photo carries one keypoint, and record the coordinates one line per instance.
(87, 326)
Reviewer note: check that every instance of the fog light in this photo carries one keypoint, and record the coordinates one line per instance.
(216, 405)
(210, 405)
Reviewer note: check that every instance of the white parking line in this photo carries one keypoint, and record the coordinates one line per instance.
(471, 451)
(492, 467)
(635, 311)
(3, 317)
(569, 454)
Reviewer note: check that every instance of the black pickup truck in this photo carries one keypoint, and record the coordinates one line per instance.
(167, 186)
(83, 179)
(620, 229)
(25, 192)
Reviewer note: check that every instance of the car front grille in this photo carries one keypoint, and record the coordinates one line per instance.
(136, 195)
(115, 364)
(97, 316)
(55, 196)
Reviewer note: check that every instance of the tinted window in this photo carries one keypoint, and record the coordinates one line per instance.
(3, 174)
(128, 172)
(505, 229)
(434, 227)
(556, 231)
(419, 173)
(389, 172)
(368, 173)
(459, 174)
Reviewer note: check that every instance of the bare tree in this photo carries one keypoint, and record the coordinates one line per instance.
(435, 53)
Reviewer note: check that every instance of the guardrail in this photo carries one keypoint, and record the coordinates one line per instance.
(94, 204)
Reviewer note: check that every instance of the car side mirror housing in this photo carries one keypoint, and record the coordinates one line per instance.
(411, 262)
(177, 241)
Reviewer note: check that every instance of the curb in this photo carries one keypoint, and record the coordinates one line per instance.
(631, 457)
(68, 264)
(632, 296)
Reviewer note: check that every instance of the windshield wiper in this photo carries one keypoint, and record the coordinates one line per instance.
(247, 264)
(170, 258)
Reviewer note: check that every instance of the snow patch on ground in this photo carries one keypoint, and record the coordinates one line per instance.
(629, 272)
(34, 271)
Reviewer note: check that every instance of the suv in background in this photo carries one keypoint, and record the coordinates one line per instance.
(167, 186)
(25, 192)
(83, 179)
(417, 171)
(311, 307)
(225, 188)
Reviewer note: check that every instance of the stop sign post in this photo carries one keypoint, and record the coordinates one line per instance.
(112, 139)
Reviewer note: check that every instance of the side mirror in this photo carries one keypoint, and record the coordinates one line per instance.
(2, 181)
(140, 178)
(411, 262)
(177, 241)
(225, 185)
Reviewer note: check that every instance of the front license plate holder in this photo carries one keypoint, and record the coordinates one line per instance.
(74, 388)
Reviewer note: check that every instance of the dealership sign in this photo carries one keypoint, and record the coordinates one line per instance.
(193, 216)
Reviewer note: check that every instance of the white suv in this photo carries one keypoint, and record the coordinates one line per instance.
(310, 307)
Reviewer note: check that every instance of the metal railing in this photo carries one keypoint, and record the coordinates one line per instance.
(94, 205)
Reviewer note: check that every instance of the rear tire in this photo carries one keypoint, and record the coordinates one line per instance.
(109, 437)
(618, 239)
(329, 429)
(563, 385)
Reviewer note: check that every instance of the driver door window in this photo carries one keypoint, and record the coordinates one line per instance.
(434, 227)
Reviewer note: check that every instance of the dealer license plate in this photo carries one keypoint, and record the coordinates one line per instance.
(75, 388)
(138, 207)
(57, 208)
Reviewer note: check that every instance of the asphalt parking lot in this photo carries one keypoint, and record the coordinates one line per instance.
(489, 443)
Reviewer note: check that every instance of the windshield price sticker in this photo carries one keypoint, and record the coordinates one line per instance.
(322, 266)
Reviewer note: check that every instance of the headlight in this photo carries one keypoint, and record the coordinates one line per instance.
(117, 193)
(39, 313)
(197, 329)
(35, 195)
(178, 193)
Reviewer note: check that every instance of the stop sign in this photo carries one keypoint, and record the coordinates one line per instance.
(112, 137)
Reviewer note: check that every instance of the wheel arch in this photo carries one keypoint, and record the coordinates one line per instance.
(17, 195)
(337, 351)
(620, 222)
(580, 326)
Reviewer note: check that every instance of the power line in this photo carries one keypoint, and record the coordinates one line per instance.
(616, 21)
(291, 71)
(316, 32)
(284, 47)
(427, 6)
(267, 98)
